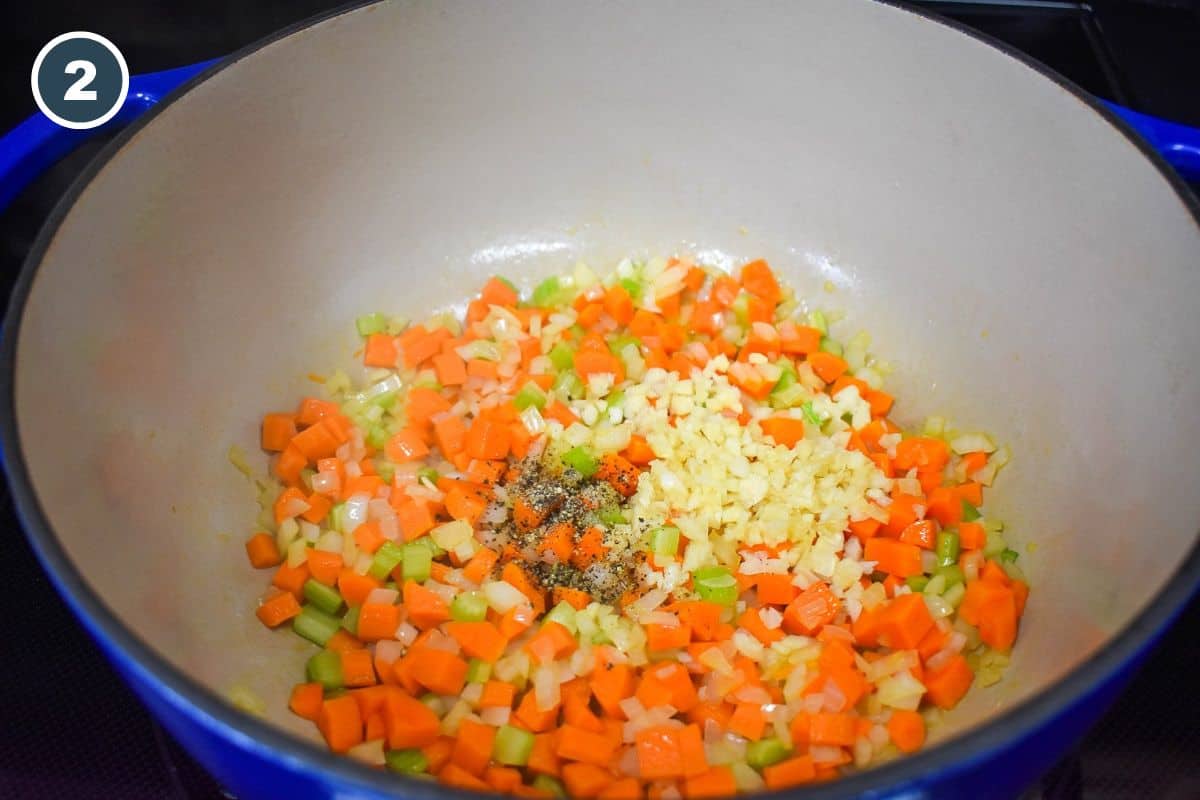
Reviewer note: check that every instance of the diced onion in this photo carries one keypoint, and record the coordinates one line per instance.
(502, 596)
(382, 596)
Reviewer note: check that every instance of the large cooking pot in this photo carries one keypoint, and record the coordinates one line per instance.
(1027, 264)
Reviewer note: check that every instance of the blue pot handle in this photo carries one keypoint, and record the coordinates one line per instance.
(37, 143)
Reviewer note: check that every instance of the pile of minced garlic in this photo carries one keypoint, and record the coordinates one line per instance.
(726, 486)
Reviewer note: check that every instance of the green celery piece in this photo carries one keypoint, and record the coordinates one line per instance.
(530, 395)
(325, 668)
(969, 512)
(786, 381)
(377, 437)
(350, 621)
(563, 614)
(323, 597)
(478, 671)
(417, 559)
(664, 540)
(568, 383)
(551, 292)
(469, 607)
(581, 460)
(621, 341)
(810, 414)
(947, 548)
(917, 582)
(315, 625)
(1009, 556)
(371, 323)
(816, 319)
(428, 474)
(611, 515)
(615, 398)
(387, 558)
(512, 746)
(549, 784)
(562, 356)
(952, 574)
(716, 584)
(406, 762)
(766, 752)
(632, 286)
(830, 346)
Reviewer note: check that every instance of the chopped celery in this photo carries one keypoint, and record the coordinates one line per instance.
(468, 606)
(766, 752)
(632, 286)
(530, 395)
(377, 437)
(350, 621)
(935, 586)
(1009, 556)
(969, 512)
(611, 515)
(830, 346)
(325, 668)
(337, 517)
(621, 341)
(786, 381)
(428, 474)
(716, 584)
(417, 559)
(434, 702)
(994, 545)
(371, 323)
(817, 320)
(478, 671)
(552, 292)
(429, 544)
(386, 471)
(581, 460)
(315, 625)
(954, 594)
(562, 356)
(664, 540)
(615, 398)
(568, 384)
(385, 400)
(512, 746)
(917, 582)
(952, 574)
(323, 597)
(810, 413)
(407, 762)
(947, 548)
(387, 558)
(549, 784)
(563, 614)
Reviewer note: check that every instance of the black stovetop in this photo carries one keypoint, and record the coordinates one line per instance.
(72, 729)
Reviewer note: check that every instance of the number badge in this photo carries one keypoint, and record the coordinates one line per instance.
(80, 80)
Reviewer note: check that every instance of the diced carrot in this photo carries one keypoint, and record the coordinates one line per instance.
(667, 683)
(438, 671)
(921, 452)
(577, 744)
(480, 565)
(799, 339)
(896, 558)
(947, 685)
(497, 694)
(262, 551)
(559, 540)
(498, 293)
(944, 505)
(866, 528)
(832, 729)
(482, 368)
(668, 753)
(716, 782)
(454, 775)
(278, 609)
(277, 431)
(291, 579)
(473, 746)
(791, 772)
(922, 533)
(320, 440)
(357, 668)
(879, 401)
(324, 566)
(621, 789)
(415, 519)
(478, 639)
(972, 535)
(1020, 590)
(306, 700)
(905, 621)
(426, 608)
(827, 366)
(619, 473)
(702, 617)
(488, 439)
(971, 491)
(512, 573)
(589, 548)
(668, 637)
(610, 684)
(407, 445)
(748, 720)
(409, 722)
(759, 280)
(576, 598)
(378, 621)
(595, 362)
(535, 719)
(289, 464)
(812, 608)
(368, 536)
(465, 505)
(552, 641)
(907, 730)
(752, 622)
(585, 780)
(380, 350)
(341, 723)
(290, 503)
(638, 451)
(423, 405)
(786, 431)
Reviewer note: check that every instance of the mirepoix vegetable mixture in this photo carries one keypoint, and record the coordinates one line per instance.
(647, 535)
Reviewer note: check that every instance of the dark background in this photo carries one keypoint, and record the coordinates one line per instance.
(72, 730)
